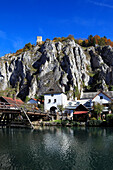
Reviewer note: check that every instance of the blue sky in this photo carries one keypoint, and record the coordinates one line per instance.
(22, 20)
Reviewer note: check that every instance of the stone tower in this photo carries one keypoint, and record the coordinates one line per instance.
(39, 40)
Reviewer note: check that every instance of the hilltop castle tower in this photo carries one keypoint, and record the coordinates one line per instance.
(39, 40)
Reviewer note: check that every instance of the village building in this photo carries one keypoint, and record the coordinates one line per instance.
(32, 101)
(90, 98)
(39, 40)
(81, 113)
(53, 98)
(10, 102)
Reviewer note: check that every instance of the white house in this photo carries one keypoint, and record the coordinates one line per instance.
(101, 97)
(54, 97)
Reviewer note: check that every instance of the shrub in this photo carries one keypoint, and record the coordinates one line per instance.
(74, 123)
(27, 47)
(26, 99)
(58, 121)
(64, 122)
(109, 117)
(95, 122)
(93, 118)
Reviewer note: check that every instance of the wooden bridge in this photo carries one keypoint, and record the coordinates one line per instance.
(19, 115)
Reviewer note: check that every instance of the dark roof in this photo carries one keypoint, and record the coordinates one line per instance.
(12, 102)
(54, 89)
(109, 93)
(81, 107)
(91, 95)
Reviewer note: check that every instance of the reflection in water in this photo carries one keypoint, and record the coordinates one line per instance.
(56, 148)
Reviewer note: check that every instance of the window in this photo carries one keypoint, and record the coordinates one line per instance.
(54, 100)
(101, 97)
(51, 89)
(49, 101)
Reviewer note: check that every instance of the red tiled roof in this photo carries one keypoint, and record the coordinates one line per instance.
(34, 99)
(13, 102)
(80, 112)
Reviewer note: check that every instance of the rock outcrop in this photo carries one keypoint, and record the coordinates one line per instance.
(72, 67)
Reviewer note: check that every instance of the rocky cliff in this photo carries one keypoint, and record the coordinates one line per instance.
(73, 67)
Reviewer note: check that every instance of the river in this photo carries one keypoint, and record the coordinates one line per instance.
(56, 148)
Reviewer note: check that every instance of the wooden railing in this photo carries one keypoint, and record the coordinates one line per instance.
(24, 108)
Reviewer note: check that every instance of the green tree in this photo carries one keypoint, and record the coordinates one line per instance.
(93, 41)
(41, 106)
(26, 99)
(61, 109)
(101, 41)
(90, 37)
(98, 108)
(76, 92)
(111, 106)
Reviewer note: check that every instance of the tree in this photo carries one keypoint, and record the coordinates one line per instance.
(94, 41)
(28, 46)
(101, 41)
(111, 106)
(97, 38)
(90, 40)
(98, 108)
(76, 92)
(71, 37)
(61, 109)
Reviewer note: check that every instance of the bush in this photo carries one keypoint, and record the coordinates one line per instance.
(64, 122)
(27, 47)
(93, 118)
(58, 121)
(95, 122)
(74, 123)
(109, 119)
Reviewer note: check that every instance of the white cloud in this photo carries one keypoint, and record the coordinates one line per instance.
(101, 4)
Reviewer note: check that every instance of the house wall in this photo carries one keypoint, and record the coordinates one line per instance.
(61, 99)
(105, 99)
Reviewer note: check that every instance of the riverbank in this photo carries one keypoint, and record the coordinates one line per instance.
(70, 123)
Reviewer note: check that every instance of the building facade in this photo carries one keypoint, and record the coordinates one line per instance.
(54, 97)
(39, 40)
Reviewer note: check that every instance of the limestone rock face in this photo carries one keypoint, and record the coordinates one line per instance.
(65, 63)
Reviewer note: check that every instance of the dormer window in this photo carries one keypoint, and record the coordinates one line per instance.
(51, 89)
(101, 97)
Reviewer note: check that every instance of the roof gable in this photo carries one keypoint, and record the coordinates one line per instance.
(99, 94)
(54, 89)
(12, 102)
(92, 95)
(81, 108)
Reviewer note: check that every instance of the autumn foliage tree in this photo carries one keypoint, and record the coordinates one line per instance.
(91, 41)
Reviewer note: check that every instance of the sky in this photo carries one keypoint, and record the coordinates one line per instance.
(21, 21)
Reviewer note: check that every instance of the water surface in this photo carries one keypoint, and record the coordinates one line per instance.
(56, 148)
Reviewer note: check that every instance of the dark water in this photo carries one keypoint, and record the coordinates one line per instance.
(54, 148)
